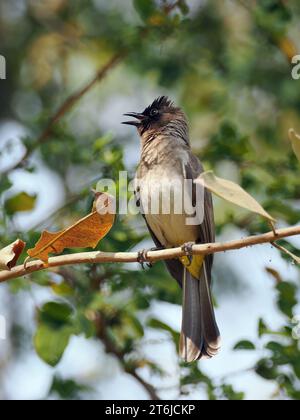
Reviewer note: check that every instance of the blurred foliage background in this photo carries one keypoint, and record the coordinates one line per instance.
(86, 62)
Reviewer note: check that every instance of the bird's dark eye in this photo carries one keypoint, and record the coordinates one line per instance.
(154, 112)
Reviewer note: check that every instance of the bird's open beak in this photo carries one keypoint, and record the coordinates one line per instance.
(139, 117)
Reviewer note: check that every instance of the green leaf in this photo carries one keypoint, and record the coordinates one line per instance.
(266, 369)
(244, 345)
(145, 8)
(19, 203)
(228, 144)
(50, 343)
(273, 16)
(183, 6)
(194, 376)
(276, 8)
(67, 389)
(18, 285)
(62, 289)
(280, 355)
(55, 313)
(287, 298)
(42, 278)
(159, 325)
(294, 257)
(84, 326)
(231, 395)
(5, 184)
(55, 327)
(262, 328)
(296, 366)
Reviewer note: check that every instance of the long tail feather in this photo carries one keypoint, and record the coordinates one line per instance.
(200, 336)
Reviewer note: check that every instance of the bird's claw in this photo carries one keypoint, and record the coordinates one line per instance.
(143, 259)
(188, 251)
(143, 256)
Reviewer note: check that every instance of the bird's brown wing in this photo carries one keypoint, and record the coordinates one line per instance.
(200, 336)
(207, 229)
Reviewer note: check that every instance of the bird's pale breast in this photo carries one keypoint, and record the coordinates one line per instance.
(166, 201)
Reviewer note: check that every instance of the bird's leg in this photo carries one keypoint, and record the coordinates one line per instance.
(188, 250)
(143, 256)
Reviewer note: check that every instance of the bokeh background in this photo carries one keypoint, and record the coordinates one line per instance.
(111, 331)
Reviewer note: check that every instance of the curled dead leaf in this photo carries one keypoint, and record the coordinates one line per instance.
(85, 233)
(10, 255)
(232, 192)
(295, 140)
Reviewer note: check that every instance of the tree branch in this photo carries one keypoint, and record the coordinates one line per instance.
(110, 347)
(71, 100)
(148, 387)
(76, 96)
(152, 256)
(68, 104)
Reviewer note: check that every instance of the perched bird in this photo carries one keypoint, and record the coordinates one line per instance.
(166, 158)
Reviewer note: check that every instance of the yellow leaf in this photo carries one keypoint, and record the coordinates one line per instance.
(295, 140)
(231, 192)
(20, 202)
(10, 255)
(87, 232)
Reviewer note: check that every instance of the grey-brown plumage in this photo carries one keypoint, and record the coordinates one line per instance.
(165, 159)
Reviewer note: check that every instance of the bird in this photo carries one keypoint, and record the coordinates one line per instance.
(167, 159)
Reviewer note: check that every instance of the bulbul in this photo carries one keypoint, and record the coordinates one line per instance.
(167, 157)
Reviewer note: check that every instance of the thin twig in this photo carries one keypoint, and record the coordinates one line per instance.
(152, 256)
(148, 387)
(111, 348)
(68, 105)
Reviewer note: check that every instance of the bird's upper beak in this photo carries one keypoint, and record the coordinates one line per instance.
(139, 117)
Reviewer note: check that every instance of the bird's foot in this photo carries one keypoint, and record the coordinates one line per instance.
(188, 250)
(143, 257)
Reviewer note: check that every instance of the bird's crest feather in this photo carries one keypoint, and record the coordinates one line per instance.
(159, 103)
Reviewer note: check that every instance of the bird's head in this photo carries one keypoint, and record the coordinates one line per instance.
(158, 117)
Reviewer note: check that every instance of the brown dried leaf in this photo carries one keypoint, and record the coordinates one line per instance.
(10, 255)
(232, 192)
(87, 232)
